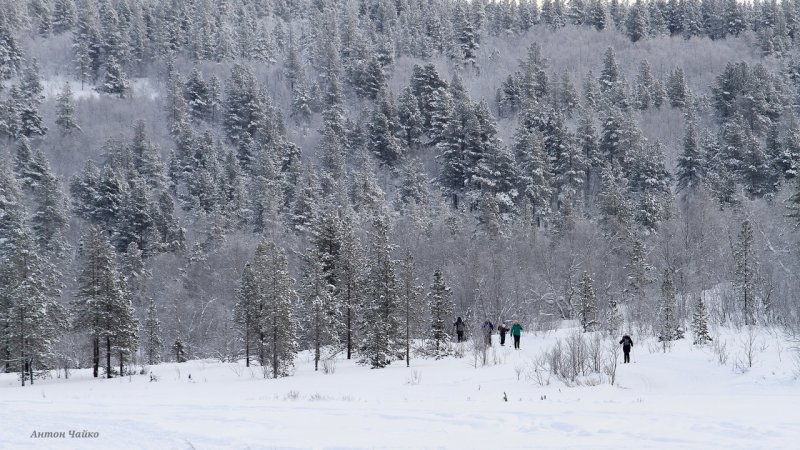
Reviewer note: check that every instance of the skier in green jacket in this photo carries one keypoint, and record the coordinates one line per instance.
(516, 332)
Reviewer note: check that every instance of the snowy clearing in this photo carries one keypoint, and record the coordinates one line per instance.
(681, 399)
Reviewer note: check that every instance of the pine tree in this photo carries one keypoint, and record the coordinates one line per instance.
(349, 272)
(793, 204)
(691, 168)
(145, 154)
(278, 327)
(63, 16)
(637, 271)
(28, 101)
(379, 325)
(65, 111)
(636, 23)
(409, 301)
(668, 327)
(197, 95)
(247, 312)
(10, 53)
(588, 303)
(101, 307)
(115, 81)
(746, 272)
(30, 316)
(533, 167)
(441, 305)
(152, 335)
(677, 89)
(700, 322)
(321, 313)
(49, 219)
(613, 317)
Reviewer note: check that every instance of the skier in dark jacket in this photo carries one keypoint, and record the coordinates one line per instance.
(488, 327)
(459, 324)
(627, 343)
(502, 329)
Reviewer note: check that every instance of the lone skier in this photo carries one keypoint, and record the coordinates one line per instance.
(459, 324)
(627, 343)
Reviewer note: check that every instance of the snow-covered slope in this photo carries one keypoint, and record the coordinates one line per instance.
(681, 399)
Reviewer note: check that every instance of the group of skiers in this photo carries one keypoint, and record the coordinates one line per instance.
(516, 333)
(488, 329)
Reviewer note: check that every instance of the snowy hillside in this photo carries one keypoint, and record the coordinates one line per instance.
(680, 399)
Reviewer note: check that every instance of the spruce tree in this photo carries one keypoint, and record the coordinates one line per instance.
(441, 305)
(668, 327)
(745, 272)
(349, 272)
(691, 168)
(101, 307)
(700, 322)
(793, 204)
(65, 111)
(409, 301)
(31, 318)
(588, 312)
(320, 311)
(28, 100)
(379, 325)
(247, 312)
(278, 326)
(613, 316)
(152, 335)
(115, 81)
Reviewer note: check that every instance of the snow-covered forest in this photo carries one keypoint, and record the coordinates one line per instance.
(244, 180)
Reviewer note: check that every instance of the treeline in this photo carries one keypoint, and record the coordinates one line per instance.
(258, 225)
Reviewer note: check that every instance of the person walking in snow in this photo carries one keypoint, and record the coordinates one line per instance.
(488, 327)
(516, 333)
(459, 324)
(627, 343)
(502, 329)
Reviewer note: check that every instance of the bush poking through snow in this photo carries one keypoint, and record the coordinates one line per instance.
(720, 349)
(415, 378)
(579, 360)
(329, 366)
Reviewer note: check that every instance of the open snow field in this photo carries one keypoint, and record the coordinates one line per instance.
(682, 399)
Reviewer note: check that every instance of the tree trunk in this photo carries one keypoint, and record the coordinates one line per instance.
(121, 361)
(96, 355)
(247, 346)
(30, 370)
(108, 357)
(349, 323)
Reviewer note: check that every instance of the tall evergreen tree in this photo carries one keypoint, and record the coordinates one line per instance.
(588, 303)
(152, 335)
(321, 313)
(668, 325)
(379, 325)
(691, 165)
(700, 322)
(441, 304)
(65, 111)
(746, 272)
(101, 307)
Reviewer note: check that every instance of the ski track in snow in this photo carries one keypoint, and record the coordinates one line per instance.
(681, 399)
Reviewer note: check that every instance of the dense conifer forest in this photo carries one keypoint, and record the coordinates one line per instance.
(244, 179)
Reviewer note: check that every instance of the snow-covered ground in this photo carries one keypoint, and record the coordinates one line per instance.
(681, 399)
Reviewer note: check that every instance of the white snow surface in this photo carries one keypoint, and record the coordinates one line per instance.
(679, 399)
